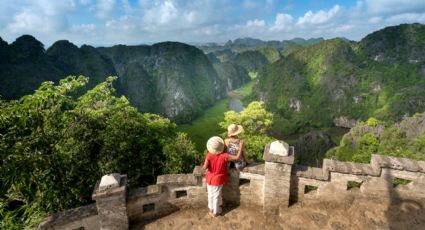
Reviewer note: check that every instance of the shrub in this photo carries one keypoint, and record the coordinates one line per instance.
(372, 122)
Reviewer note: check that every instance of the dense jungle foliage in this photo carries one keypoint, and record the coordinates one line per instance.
(381, 76)
(55, 145)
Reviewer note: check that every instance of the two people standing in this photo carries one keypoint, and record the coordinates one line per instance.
(218, 160)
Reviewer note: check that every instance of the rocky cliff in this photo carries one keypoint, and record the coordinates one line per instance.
(336, 78)
(85, 60)
(170, 78)
(405, 138)
(24, 66)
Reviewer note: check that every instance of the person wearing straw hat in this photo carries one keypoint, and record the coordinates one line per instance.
(235, 146)
(216, 175)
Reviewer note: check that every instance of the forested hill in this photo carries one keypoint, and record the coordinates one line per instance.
(383, 76)
(172, 79)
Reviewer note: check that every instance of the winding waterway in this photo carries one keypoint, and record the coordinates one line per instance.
(235, 103)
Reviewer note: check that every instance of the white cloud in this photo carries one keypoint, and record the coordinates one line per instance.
(255, 23)
(375, 20)
(161, 14)
(42, 16)
(406, 18)
(85, 28)
(343, 28)
(386, 7)
(135, 22)
(320, 17)
(104, 8)
(282, 21)
(85, 2)
(127, 6)
(28, 20)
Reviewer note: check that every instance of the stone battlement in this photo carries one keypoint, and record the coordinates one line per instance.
(272, 187)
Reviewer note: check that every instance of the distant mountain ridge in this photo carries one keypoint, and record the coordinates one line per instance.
(252, 53)
(248, 42)
(170, 78)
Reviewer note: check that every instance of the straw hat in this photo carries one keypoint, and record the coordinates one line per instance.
(234, 130)
(215, 145)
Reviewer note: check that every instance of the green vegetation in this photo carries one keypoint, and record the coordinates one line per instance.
(256, 122)
(353, 184)
(372, 121)
(400, 181)
(206, 125)
(272, 54)
(315, 84)
(55, 145)
(405, 139)
(180, 84)
(181, 155)
(253, 75)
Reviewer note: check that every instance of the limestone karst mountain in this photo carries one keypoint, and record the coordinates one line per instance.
(382, 76)
(172, 79)
(85, 60)
(24, 66)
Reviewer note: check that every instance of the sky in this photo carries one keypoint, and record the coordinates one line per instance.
(110, 22)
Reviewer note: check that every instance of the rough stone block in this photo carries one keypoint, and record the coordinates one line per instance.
(276, 186)
(112, 206)
(269, 157)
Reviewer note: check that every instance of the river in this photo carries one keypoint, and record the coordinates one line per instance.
(235, 103)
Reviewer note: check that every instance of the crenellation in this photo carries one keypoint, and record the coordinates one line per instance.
(151, 190)
(255, 168)
(398, 163)
(308, 172)
(180, 179)
(271, 186)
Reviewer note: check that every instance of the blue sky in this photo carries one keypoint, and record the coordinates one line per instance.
(108, 22)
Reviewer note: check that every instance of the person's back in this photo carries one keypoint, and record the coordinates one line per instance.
(234, 145)
(217, 173)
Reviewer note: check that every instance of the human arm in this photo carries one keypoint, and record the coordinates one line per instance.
(205, 166)
(242, 148)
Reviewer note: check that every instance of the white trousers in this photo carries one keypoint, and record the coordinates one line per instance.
(214, 198)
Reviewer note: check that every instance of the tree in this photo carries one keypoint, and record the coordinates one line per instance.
(55, 145)
(256, 121)
(181, 155)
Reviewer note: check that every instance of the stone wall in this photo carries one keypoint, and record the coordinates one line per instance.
(271, 186)
(83, 217)
(379, 179)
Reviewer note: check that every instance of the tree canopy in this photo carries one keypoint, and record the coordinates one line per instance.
(256, 121)
(56, 143)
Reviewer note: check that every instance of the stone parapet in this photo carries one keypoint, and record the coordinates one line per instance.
(85, 216)
(373, 169)
(272, 186)
(177, 179)
(254, 168)
(398, 163)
